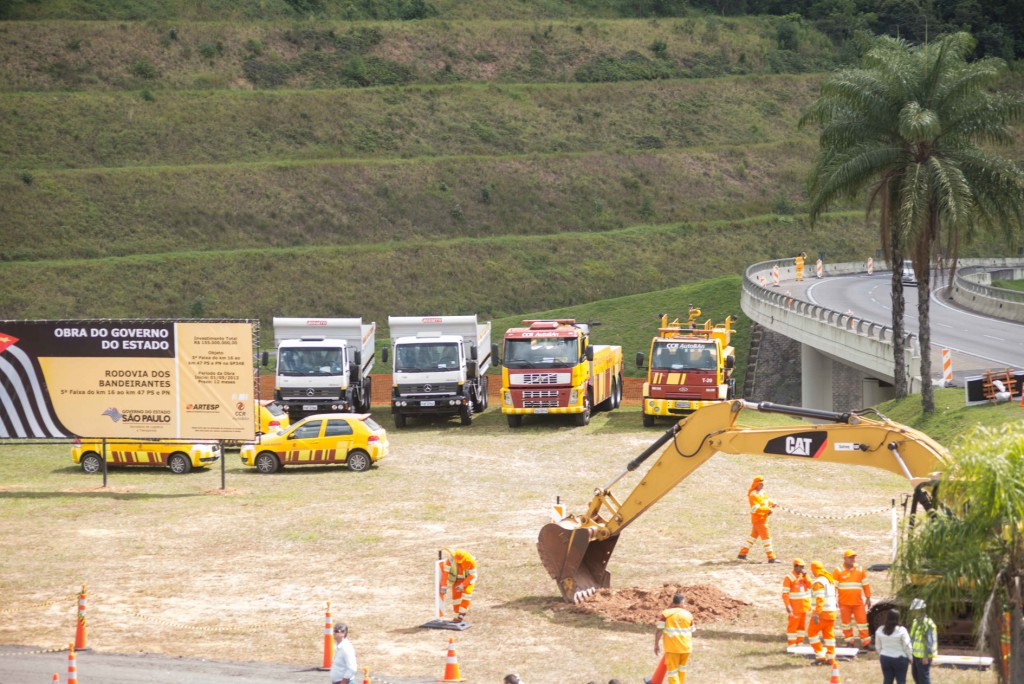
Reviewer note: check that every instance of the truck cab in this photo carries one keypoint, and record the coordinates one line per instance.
(690, 367)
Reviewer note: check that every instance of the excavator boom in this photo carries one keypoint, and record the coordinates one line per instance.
(576, 549)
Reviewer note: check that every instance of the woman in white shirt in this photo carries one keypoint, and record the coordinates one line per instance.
(894, 651)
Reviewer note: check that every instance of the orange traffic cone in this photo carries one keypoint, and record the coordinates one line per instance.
(72, 666)
(328, 639)
(834, 679)
(56, 678)
(80, 628)
(659, 673)
(451, 664)
(366, 675)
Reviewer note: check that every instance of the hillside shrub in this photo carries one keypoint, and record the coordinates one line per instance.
(145, 69)
(266, 73)
(631, 66)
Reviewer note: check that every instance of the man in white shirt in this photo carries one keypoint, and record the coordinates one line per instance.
(343, 667)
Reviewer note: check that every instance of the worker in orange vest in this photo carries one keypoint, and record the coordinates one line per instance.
(460, 571)
(823, 615)
(796, 596)
(799, 261)
(854, 598)
(676, 628)
(760, 508)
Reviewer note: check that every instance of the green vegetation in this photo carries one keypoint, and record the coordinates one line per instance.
(952, 418)
(1009, 284)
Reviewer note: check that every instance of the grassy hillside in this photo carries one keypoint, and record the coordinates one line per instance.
(173, 128)
(161, 54)
(952, 419)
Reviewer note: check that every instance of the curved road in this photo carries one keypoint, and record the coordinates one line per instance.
(978, 341)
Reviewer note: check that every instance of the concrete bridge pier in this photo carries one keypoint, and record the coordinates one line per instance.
(815, 379)
(876, 391)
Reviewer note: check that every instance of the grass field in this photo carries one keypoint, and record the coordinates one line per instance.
(174, 565)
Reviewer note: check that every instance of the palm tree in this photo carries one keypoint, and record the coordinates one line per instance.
(907, 128)
(972, 546)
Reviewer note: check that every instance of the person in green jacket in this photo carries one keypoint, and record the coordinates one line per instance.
(924, 639)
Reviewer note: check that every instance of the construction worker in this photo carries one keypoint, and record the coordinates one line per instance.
(676, 629)
(924, 640)
(760, 508)
(823, 615)
(799, 261)
(854, 599)
(459, 571)
(796, 596)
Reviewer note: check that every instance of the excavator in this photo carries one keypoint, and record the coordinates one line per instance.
(575, 550)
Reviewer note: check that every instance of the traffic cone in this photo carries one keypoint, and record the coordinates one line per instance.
(871, 265)
(834, 679)
(659, 673)
(56, 678)
(366, 675)
(72, 666)
(80, 625)
(451, 664)
(328, 640)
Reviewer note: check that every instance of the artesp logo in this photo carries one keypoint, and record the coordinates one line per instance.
(803, 444)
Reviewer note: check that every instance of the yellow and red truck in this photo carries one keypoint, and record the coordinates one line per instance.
(690, 367)
(550, 367)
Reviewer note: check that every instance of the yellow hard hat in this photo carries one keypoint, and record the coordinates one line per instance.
(460, 554)
(817, 566)
(798, 561)
(849, 553)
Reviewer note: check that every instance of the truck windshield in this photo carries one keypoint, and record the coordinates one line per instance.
(545, 352)
(426, 357)
(310, 361)
(675, 356)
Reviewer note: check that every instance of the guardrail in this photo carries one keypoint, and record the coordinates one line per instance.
(972, 288)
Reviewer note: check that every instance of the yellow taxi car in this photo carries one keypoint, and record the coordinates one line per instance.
(354, 439)
(179, 457)
(271, 418)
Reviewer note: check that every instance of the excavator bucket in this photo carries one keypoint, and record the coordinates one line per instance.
(574, 560)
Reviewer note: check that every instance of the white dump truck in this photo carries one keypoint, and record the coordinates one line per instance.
(439, 366)
(323, 365)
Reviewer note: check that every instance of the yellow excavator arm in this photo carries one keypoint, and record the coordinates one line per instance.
(575, 550)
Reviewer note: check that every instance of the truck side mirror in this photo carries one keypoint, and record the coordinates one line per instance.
(265, 359)
(472, 351)
(589, 353)
(353, 370)
(494, 355)
(730, 361)
(384, 354)
(357, 358)
(639, 359)
(471, 369)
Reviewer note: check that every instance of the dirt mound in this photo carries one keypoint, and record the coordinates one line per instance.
(644, 606)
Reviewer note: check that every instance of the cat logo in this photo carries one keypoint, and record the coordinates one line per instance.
(803, 444)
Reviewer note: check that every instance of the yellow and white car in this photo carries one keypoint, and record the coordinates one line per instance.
(354, 439)
(178, 456)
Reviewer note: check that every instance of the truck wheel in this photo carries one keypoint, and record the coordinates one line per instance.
(466, 413)
(358, 461)
(617, 393)
(583, 419)
(515, 420)
(91, 463)
(365, 396)
(648, 420)
(399, 420)
(266, 462)
(480, 403)
(179, 463)
(731, 394)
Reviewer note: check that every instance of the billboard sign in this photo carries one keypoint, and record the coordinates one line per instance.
(137, 379)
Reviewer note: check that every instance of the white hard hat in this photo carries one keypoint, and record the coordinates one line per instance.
(917, 604)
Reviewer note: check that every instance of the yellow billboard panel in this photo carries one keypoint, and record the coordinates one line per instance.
(133, 379)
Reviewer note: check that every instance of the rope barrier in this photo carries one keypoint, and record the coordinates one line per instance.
(196, 628)
(859, 514)
(44, 604)
(60, 649)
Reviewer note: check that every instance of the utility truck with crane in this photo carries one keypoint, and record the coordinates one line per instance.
(550, 367)
(689, 367)
(575, 550)
(439, 366)
(323, 365)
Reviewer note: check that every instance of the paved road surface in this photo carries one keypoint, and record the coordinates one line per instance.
(97, 668)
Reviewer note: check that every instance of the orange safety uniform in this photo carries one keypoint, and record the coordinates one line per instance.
(462, 576)
(823, 622)
(760, 508)
(799, 261)
(676, 626)
(851, 584)
(796, 596)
